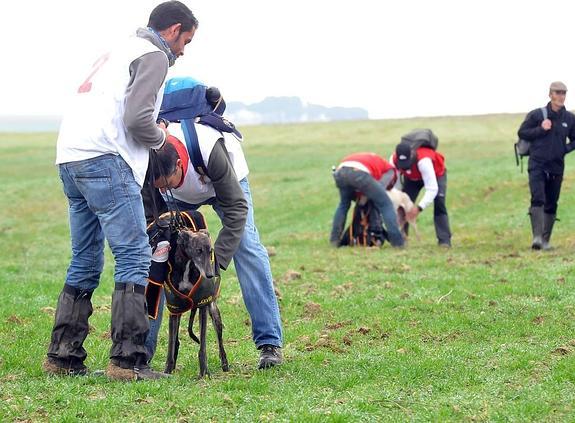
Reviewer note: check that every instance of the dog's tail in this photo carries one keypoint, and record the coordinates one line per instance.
(191, 326)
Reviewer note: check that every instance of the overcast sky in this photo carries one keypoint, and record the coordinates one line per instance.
(393, 58)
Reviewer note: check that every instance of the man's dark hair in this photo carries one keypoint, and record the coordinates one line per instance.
(163, 161)
(170, 13)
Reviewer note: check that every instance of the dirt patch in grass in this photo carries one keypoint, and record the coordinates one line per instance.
(311, 310)
(291, 275)
(13, 319)
(337, 325)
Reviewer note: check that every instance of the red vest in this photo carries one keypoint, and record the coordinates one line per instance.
(376, 165)
(422, 153)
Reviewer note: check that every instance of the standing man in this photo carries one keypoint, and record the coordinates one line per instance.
(227, 190)
(547, 130)
(102, 153)
(371, 175)
(424, 167)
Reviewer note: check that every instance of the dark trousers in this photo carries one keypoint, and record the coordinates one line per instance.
(440, 217)
(545, 189)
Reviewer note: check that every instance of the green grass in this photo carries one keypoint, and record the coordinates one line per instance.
(483, 331)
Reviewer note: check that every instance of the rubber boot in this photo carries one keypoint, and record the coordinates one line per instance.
(548, 222)
(130, 327)
(66, 353)
(536, 215)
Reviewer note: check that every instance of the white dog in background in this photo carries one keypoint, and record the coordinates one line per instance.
(403, 204)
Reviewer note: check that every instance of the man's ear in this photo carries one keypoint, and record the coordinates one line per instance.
(172, 33)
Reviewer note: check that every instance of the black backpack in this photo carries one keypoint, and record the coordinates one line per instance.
(420, 138)
(366, 227)
(521, 147)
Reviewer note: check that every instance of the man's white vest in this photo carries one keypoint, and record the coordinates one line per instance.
(195, 188)
(93, 125)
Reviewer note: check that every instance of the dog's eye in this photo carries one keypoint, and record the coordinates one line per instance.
(199, 251)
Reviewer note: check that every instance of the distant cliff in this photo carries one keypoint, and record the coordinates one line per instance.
(287, 110)
(269, 110)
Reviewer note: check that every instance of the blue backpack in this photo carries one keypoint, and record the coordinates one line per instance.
(188, 101)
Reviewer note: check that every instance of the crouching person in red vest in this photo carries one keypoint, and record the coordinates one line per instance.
(371, 175)
(425, 168)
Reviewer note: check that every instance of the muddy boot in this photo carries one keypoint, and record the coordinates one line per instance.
(536, 215)
(548, 222)
(66, 353)
(130, 327)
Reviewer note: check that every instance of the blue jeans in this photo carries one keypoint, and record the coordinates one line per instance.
(105, 202)
(254, 274)
(349, 180)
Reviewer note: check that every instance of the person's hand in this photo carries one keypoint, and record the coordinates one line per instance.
(164, 128)
(412, 214)
(546, 124)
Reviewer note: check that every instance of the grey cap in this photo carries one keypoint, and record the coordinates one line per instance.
(557, 86)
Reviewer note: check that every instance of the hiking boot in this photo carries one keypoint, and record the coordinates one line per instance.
(270, 356)
(58, 367)
(536, 214)
(116, 371)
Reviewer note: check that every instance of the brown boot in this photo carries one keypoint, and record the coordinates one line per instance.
(115, 371)
(58, 367)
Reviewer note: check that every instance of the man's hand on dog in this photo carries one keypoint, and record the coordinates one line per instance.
(412, 214)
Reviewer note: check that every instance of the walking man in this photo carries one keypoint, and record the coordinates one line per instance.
(547, 129)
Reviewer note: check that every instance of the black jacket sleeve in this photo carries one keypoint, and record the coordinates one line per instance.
(531, 129)
(571, 146)
(232, 201)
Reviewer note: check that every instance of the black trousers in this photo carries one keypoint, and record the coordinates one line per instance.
(545, 189)
(440, 217)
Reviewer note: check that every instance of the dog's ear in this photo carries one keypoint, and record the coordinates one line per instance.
(204, 231)
(181, 238)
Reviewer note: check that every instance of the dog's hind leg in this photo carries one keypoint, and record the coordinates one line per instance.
(203, 332)
(173, 343)
(219, 327)
(191, 326)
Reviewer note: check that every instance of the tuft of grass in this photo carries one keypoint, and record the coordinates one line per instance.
(483, 331)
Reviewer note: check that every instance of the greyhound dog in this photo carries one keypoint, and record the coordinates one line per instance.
(402, 205)
(193, 266)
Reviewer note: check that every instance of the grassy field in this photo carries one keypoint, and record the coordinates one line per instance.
(481, 332)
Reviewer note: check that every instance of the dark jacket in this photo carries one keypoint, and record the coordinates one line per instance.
(548, 148)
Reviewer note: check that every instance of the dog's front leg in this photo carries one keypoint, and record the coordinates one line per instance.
(203, 332)
(173, 343)
(219, 327)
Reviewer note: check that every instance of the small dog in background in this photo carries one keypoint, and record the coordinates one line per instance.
(403, 204)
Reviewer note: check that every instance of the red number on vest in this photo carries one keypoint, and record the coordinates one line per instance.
(87, 85)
